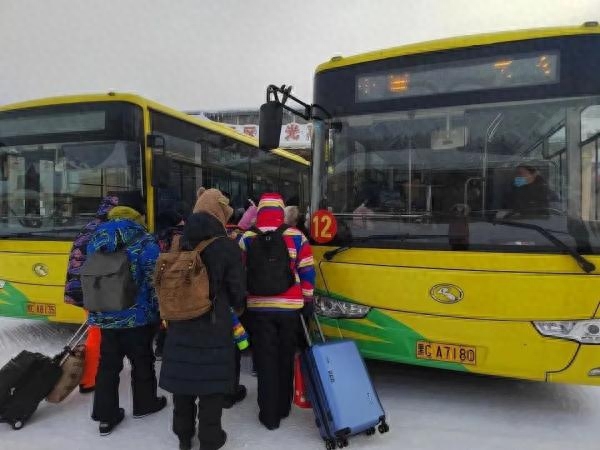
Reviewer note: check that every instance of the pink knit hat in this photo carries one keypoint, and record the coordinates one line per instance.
(249, 218)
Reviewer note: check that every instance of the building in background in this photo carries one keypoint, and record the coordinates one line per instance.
(296, 133)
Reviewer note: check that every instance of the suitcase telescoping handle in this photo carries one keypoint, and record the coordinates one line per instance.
(307, 333)
(78, 336)
(75, 340)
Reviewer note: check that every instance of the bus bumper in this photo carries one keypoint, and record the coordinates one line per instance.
(32, 281)
(584, 369)
(503, 348)
(36, 301)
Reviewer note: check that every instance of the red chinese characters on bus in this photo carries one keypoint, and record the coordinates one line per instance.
(292, 132)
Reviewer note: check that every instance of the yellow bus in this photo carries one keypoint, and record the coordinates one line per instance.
(458, 192)
(60, 156)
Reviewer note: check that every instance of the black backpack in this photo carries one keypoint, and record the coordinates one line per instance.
(268, 264)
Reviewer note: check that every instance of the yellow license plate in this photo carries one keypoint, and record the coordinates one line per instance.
(437, 351)
(41, 309)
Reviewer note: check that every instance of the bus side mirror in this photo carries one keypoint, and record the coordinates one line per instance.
(271, 119)
(156, 142)
(161, 164)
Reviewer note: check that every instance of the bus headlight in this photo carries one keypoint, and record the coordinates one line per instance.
(582, 331)
(339, 309)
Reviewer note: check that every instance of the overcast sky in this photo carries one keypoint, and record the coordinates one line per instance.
(221, 54)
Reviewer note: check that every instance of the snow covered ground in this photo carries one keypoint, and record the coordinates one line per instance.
(428, 409)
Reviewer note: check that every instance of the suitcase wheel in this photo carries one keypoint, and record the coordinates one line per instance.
(370, 431)
(330, 444)
(341, 443)
(18, 425)
(383, 428)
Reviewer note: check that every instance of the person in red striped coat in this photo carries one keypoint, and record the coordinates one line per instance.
(281, 276)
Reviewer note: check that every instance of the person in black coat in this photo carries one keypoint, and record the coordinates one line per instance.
(199, 356)
(530, 195)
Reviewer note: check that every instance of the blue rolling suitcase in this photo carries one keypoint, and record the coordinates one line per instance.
(344, 400)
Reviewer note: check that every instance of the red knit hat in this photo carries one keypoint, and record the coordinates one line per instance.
(270, 210)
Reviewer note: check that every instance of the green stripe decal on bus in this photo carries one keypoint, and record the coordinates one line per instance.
(13, 303)
(380, 336)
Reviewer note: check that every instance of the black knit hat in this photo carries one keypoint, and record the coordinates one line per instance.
(132, 199)
(168, 219)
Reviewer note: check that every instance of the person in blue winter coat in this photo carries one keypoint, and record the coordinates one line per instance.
(74, 292)
(127, 333)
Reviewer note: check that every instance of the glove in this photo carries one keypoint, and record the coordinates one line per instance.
(307, 311)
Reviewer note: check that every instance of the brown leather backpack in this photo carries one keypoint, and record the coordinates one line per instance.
(181, 282)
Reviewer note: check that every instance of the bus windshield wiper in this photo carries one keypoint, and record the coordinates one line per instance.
(585, 265)
(379, 237)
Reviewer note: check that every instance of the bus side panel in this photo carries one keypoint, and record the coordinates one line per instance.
(496, 295)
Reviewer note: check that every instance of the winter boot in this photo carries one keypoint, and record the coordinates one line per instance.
(106, 428)
(216, 446)
(159, 404)
(237, 397)
(86, 390)
(185, 444)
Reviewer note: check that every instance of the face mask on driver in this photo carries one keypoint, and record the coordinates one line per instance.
(520, 181)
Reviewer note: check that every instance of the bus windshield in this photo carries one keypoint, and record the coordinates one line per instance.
(451, 176)
(57, 163)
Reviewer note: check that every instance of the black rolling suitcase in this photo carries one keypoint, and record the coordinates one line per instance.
(24, 382)
(27, 379)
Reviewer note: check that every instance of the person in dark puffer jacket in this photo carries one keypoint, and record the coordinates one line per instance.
(199, 356)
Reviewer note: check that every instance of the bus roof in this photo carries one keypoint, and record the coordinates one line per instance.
(460, 42)
(150, 104)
